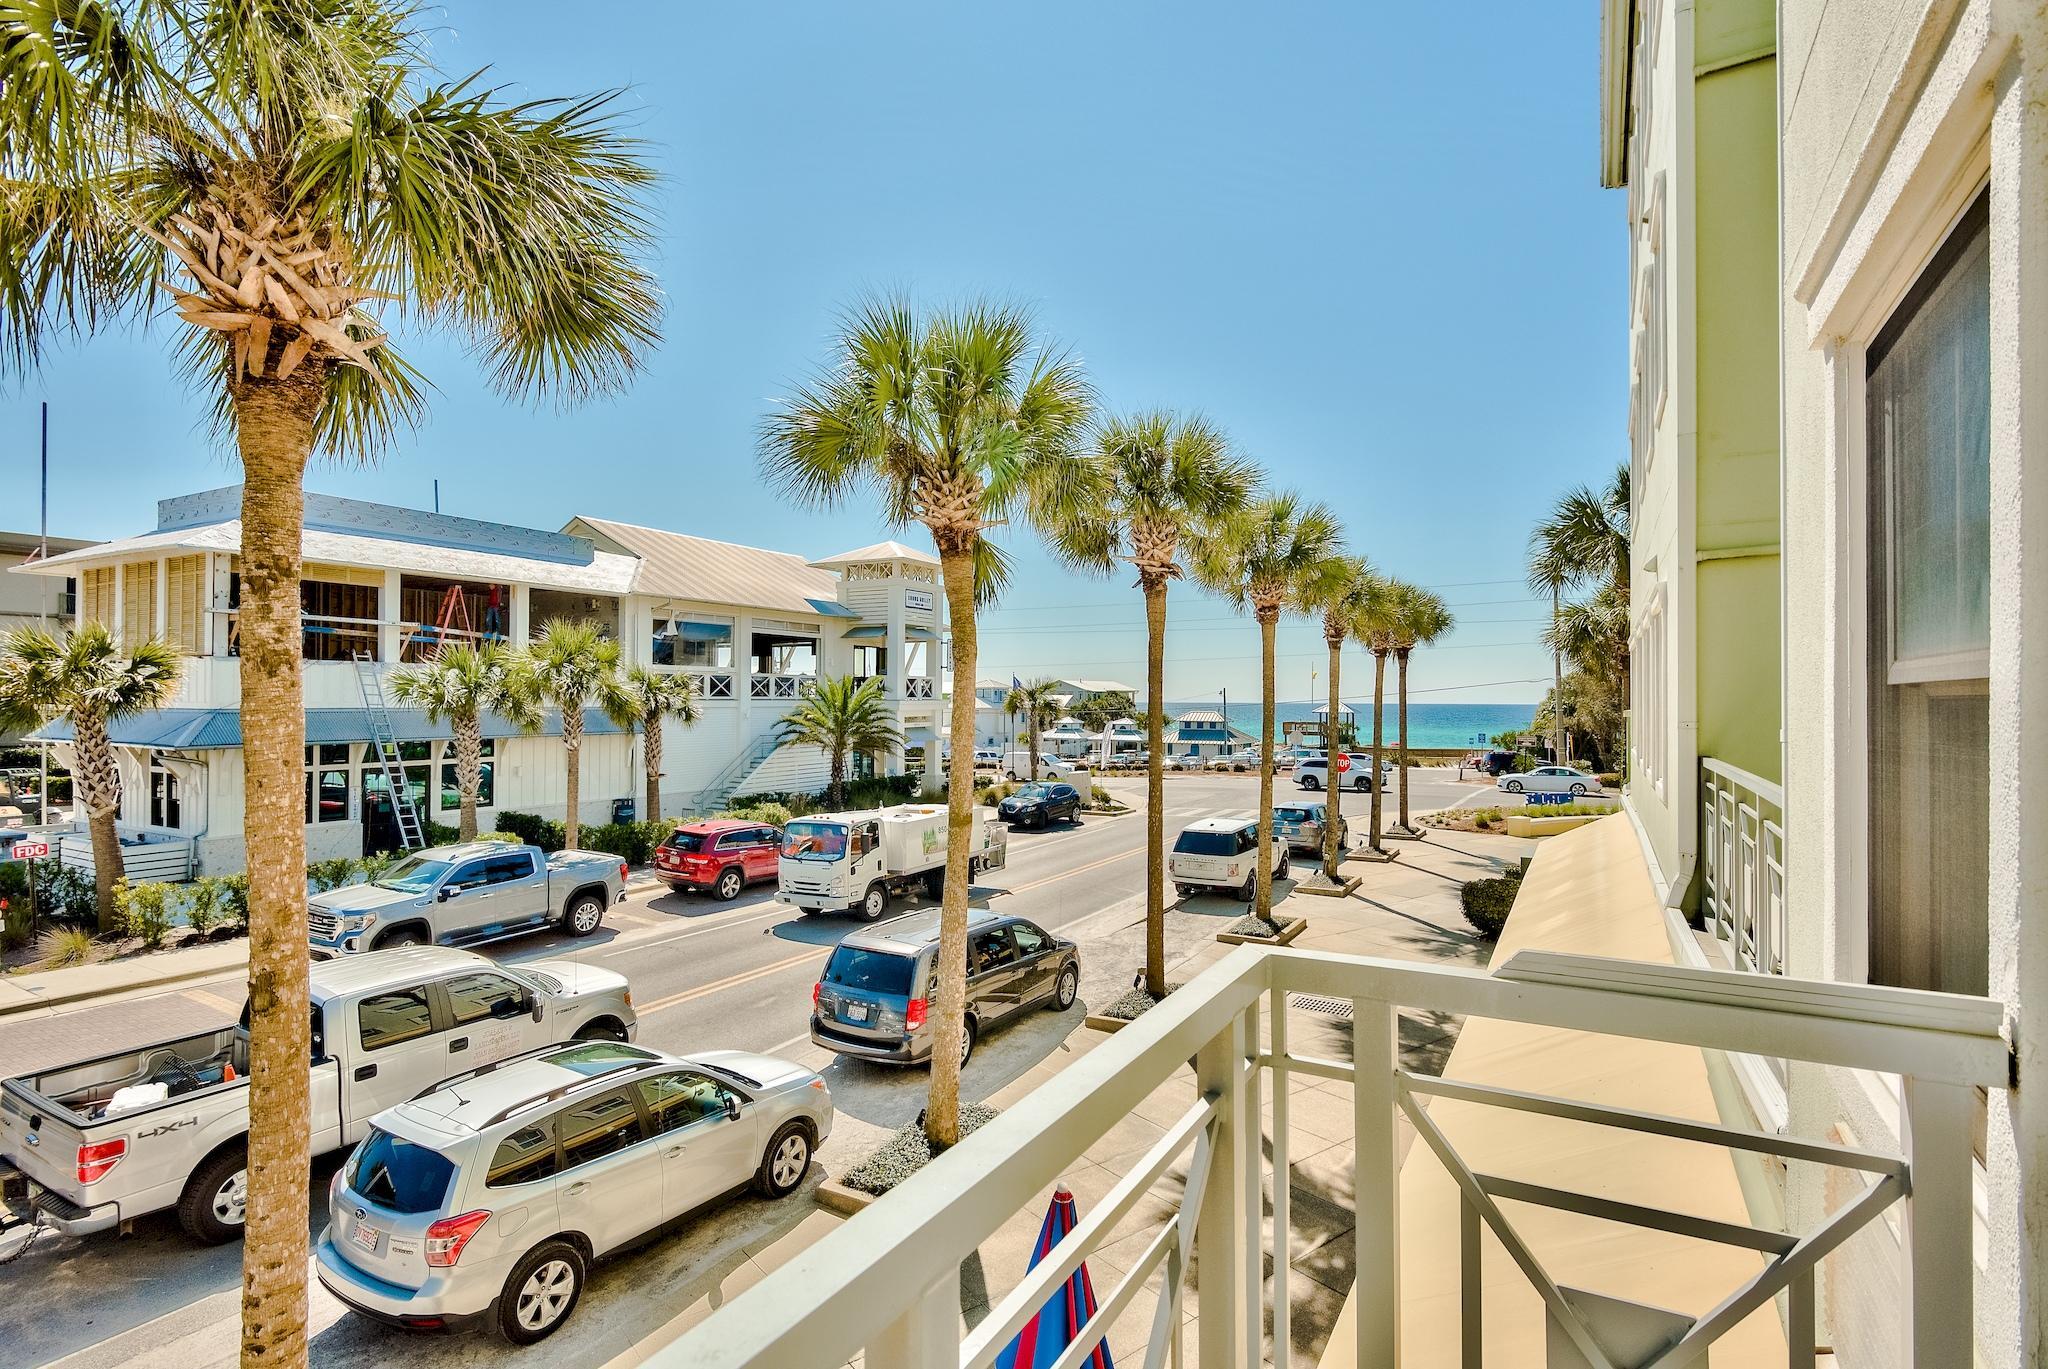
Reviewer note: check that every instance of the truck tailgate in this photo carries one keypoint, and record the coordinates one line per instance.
(46, 1152)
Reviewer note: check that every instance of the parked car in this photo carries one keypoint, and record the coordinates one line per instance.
(100, 1141)
(1172, 762)
(1292, 756)
(486, 1200)
(1235, 760)
(874, 999)
(464, 895)
(720, 856)
(1498, 762)
(1549, 779)
(1017, 765)
(1219, 853)
(988, 758)
(1041, 805)
(1300, 825)
(1313, 772)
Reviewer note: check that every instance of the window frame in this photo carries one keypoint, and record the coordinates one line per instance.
(435, 1022)
(630, 1088)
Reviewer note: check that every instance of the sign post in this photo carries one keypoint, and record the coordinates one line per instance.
(30, 851)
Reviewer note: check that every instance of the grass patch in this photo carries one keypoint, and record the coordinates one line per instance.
(906, 1152)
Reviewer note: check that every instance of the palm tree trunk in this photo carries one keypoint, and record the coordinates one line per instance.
(1379, 699)
(97, 780)
(1037, 730)
(1333, 848)
(1155, 789)
(274, 427)
(572, 755)
(1401, 707)
(469, 770)
(836, 790)
(650, 758)
(949, 1013)
(1269, 620)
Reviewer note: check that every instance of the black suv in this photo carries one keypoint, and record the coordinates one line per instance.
(1041, 805)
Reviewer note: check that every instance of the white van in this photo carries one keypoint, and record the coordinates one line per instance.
(1017, 765)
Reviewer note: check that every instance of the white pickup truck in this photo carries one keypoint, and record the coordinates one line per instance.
(852, 862)
(464, 895)
(88, 1146)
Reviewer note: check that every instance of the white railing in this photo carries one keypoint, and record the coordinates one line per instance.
(917, 687)
(1742, 864)
(887, 1282)
(779, 686)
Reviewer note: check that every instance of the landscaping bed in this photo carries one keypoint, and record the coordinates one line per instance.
(1126, 1008)
(906, 1152)
(1253, 930)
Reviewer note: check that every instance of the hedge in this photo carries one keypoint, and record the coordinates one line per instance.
(1488, 903)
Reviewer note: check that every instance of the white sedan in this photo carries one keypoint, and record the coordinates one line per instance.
(1549, 779)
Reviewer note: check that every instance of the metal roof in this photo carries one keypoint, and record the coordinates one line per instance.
(678, 566)
(201, 729)
(880, 551)
(1201, 715)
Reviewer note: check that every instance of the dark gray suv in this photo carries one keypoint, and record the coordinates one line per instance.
(876, 995)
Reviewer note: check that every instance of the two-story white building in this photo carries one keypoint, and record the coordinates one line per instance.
(385, 585)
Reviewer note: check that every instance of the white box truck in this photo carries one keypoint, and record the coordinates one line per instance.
(853, 862)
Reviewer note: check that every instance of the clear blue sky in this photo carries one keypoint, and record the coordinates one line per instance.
(1366, 239)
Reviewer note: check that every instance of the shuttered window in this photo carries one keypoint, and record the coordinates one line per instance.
(185, 604)
(96, 596)
(138, 601)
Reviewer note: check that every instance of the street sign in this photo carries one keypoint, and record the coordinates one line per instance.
(28, 850)
(1343, 763)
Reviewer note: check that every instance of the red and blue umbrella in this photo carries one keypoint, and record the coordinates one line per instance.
(1053, 1327)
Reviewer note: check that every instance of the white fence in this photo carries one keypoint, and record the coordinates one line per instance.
(1742, 864)
(887, 1282)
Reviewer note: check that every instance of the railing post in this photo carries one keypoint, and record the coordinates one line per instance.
(1283, 1183)
(1938, 1125)
(1221, 1219)
(1376, 1179)
(1471, 1286)
(1799, 1322)
(1250, 1158)
(927, 1335)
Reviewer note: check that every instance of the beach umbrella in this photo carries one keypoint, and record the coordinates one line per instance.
(1052, 1328)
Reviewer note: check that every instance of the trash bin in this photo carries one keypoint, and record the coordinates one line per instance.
(623, 810)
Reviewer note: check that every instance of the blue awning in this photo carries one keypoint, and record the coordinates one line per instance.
(831, 609)
(200, 729)
(868, 632)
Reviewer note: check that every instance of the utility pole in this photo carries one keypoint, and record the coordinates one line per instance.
(1556, 686)
(43, 751)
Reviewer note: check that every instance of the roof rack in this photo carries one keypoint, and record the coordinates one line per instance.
(482, 1070)
(561, 1091)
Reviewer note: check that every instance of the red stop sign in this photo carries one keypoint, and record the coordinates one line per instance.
(1343, 764)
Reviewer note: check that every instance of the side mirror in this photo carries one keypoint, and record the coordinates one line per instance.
(446, 892)
(505, 1009)
(732, 1106)
(539, 1012)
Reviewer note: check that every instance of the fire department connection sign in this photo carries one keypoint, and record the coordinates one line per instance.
(28, 850)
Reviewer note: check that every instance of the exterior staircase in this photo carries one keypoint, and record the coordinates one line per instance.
(717, 794)
(384, 746)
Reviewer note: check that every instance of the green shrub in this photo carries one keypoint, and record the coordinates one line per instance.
(534, 831)
(203, 910)
(1100, 797)
(66, 946)
(632, 842)
(437, 835)
(773, 813)
(498, 836)
(1609, 779)
(16, 918)
(62, 894)
(1524, 762)
(145, 911)
(1488, 903)
(323, 875)
(234, 899)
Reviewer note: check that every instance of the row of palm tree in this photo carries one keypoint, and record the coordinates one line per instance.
(1581, 546)
(964, 420)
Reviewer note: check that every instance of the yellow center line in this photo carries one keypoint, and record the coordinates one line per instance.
(732, 981)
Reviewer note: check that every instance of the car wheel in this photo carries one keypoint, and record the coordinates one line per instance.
(540, 1292)
(405, 936)
(585, 915)
(1249, 890)
(1513, 786)
(966, 1041)
(1067, 989)
(212, 1207)
(1579, 790)
(785, 1162)
(730, 882)
(1362, 785)
(1281, 873)
(1309, 782)
(874, 903)
(602, 1030)
(935, 882)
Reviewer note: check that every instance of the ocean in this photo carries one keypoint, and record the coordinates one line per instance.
(1429, 724)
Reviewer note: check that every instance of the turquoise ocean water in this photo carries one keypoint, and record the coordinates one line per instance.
(1429, 725)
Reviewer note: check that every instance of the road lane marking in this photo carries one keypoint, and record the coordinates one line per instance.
(227, 1005)
(732, 981)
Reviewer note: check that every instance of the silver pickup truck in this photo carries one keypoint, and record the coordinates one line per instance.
(87, 1146)
(464, 895)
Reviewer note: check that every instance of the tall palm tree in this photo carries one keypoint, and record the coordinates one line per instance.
(1419, 616)
(654, 697)
(1375, 628)
(87, 679)
(959, 419)
(281, 169)
(574, 666)
(1343, 590)
(1035, 699)
(1258, 559)
(462, 683)
(1165, 478)
(842, 719)
(1583, 543)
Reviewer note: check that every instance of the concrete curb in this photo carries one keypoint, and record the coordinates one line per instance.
(1289, 930)
(30, 999)
(1372, 857)
(1342, 889)
(834, 1196)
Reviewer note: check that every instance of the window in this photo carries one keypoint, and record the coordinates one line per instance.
(96, 595)
(680, 1100)
(525, 1157)
(990, 950)
(138, 601)
(163, 796)
(185, 604)
(870, 661)
(451, 787)
(478, 997)
(508, 869)
(703, 643)
(1030, 941)
(389, 1019)
(1927, 427)
(336, 620)
(1198, 843)
(398, 1175)
(879, 971)
(598, 1127)
(474, 875)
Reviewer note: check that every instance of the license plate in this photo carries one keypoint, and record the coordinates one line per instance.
(857, 1012)
(365, 1236)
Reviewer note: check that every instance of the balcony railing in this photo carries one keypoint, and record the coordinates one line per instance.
(1742, 864)
(917, 687)
(779, 686)
(887, 1283)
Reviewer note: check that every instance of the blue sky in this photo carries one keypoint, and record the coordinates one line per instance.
(1368, 240)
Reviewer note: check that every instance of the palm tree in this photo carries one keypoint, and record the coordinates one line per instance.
(1375, 628)
(842, 718)
(1258, 559)
(656, 696)
(462, 683)
(1035, 699)
(1343, 589)
(1583, 542)
(960, 420)
(1166, 478)
(574, 666)
(1419, 617)
(86, 679)
(281, 169)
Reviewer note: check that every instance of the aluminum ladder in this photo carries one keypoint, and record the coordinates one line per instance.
(384, 745)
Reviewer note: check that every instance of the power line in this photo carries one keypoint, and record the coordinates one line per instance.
(1136, 603)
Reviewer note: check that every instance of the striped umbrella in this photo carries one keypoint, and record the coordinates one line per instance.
(1053, 1327)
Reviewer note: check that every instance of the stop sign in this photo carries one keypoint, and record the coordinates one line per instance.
(1343, 764)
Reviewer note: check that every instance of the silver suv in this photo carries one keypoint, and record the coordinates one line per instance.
(487, 1199)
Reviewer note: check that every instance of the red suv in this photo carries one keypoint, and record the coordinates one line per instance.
(723, 856)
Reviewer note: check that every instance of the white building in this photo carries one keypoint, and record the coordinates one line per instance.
(387, 585)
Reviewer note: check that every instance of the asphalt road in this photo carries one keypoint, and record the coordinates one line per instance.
(705, 975)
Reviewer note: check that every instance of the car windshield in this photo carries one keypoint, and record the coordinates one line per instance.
(880, 971)
(685, 841)
(1035, 791)
(814, 840)
(1193, 843)
(1292, 815)
(415, 874)
(398, 1175)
